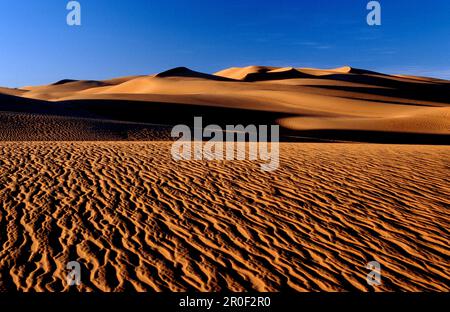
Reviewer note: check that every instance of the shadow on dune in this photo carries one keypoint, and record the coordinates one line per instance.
(410, 91)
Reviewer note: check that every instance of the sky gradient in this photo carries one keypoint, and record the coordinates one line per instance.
(119, 38)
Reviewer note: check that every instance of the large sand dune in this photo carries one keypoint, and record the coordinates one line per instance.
(333, 104)
(74, 188)
(137, 220)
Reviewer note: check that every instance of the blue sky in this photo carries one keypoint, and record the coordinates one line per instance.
(120, 38)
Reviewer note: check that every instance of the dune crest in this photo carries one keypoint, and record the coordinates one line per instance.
(136, 220)
(87, 175)
(239, 73)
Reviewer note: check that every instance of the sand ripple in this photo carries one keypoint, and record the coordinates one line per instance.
(136, 220)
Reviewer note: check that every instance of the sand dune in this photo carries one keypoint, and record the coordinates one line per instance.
(428, 120)
(74, 188)
(67, 87)
(301, 99)
(186, 72)
(137, 220)
(8, 91)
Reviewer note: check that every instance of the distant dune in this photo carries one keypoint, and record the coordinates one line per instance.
(344, 103)
(136, 220)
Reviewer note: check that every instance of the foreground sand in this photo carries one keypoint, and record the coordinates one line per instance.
(135, 219)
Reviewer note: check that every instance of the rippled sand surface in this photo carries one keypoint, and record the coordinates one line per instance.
(137, 220)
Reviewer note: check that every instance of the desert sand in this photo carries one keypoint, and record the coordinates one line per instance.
(344, 104)
(137, 220)
(87, 175)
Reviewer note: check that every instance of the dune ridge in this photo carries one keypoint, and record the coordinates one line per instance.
(137, 220)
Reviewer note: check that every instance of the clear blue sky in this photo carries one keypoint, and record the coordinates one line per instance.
(120, 38)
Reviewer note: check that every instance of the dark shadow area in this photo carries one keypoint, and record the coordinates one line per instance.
(282, 75)
(435, 92)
